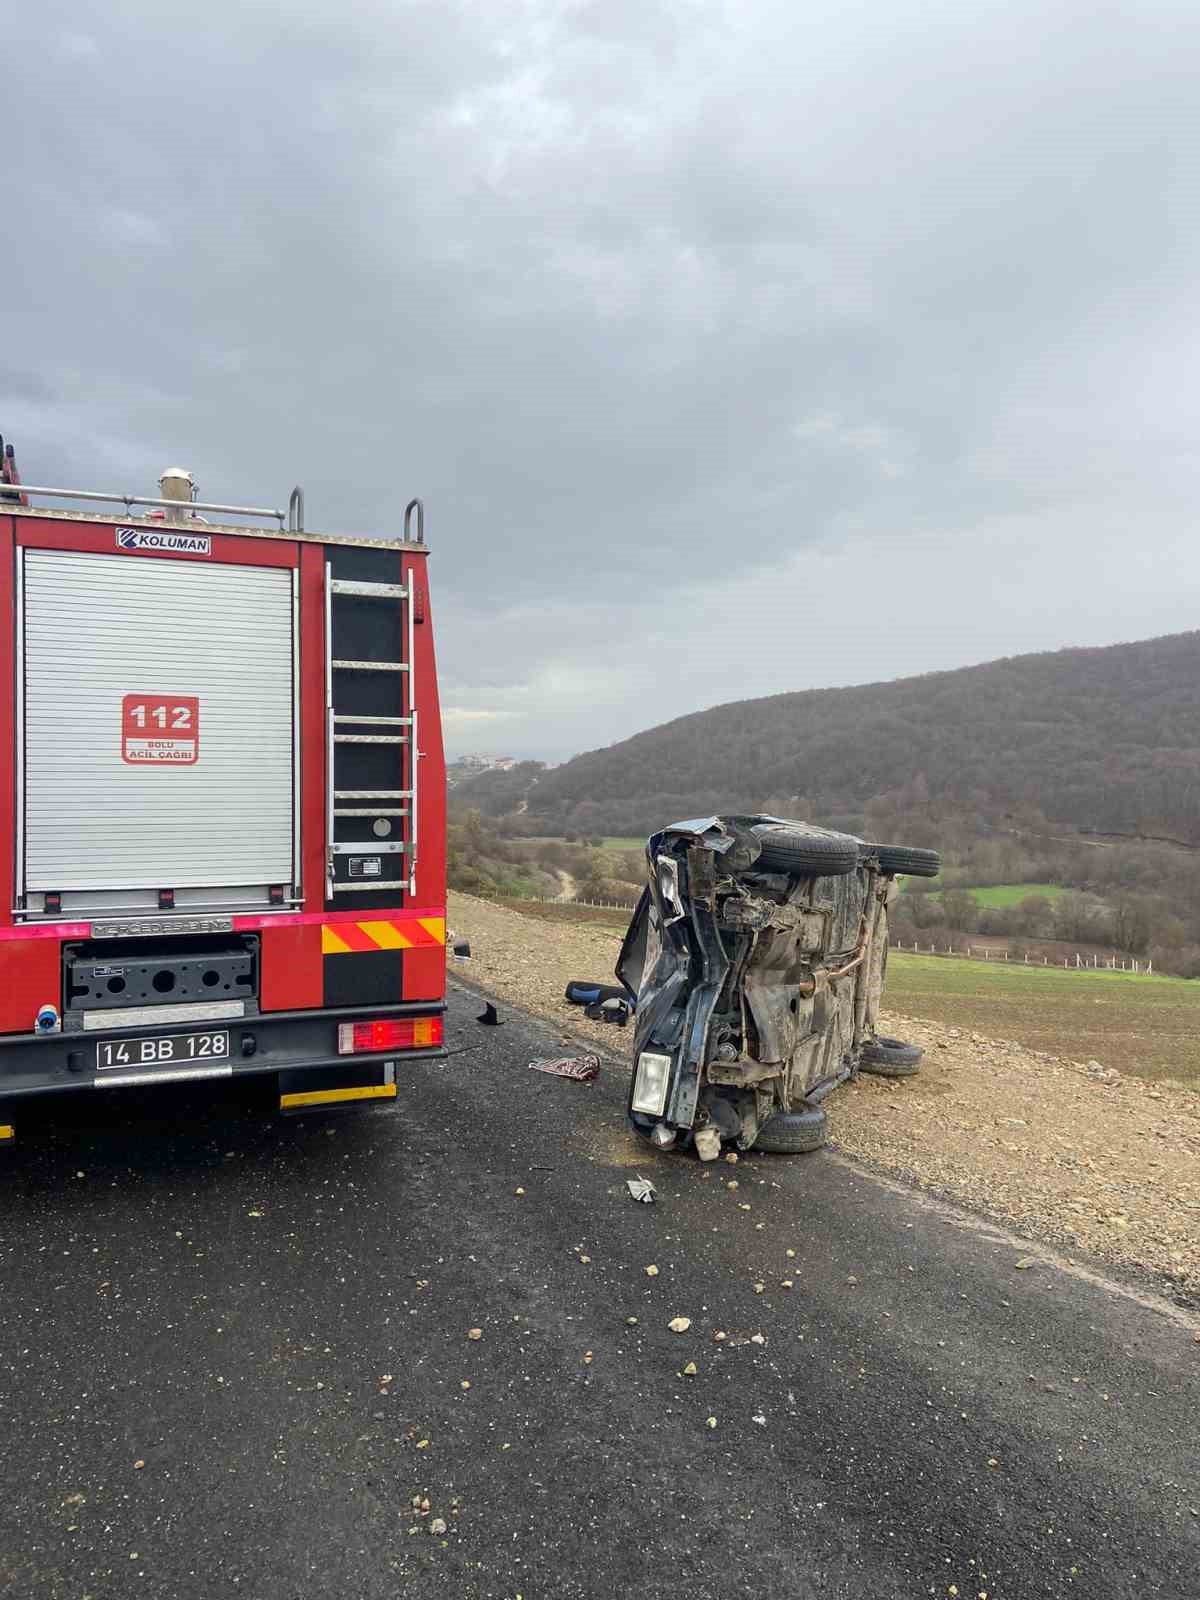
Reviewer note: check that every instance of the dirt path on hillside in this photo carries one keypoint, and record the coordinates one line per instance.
(567, 886)
(1070, 1152)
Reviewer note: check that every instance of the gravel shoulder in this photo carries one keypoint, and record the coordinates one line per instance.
(1070, 1152)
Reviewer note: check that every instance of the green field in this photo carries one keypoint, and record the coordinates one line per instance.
(1004, 894)
(624, 844)
(1011, 894)
(1148, 1026)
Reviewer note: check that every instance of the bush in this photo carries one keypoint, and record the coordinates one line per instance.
(1036, 916)
(960, 910)
(1183, 962)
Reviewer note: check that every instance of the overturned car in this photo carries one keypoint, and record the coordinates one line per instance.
(757, 957)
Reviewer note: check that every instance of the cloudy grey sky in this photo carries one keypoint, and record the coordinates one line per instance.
(735, 347)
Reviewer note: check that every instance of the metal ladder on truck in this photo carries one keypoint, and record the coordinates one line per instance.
(347, 729)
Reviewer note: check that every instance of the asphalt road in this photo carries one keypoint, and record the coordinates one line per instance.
(235, 1350)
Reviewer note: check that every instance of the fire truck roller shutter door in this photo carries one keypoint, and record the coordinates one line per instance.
(158, 739)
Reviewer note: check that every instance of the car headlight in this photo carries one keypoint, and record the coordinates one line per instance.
(650, 1083)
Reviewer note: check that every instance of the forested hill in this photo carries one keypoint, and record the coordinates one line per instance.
(1107, 739)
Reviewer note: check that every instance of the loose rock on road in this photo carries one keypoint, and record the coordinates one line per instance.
(341, 1357)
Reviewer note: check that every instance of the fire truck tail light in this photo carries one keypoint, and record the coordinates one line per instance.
(405, 1033)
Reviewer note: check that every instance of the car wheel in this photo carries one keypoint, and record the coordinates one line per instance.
(890, 1058)
(812, 855)
(794, 1132)
(913, 863)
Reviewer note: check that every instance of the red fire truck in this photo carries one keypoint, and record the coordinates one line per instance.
(222, 799)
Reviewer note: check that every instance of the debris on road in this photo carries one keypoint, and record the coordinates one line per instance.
(641, 1189)
(474, 1333)
(581, 1069)
(616, 1012)
(489, 1016)
(707, 1142)
(679, 1324)
(652, 1271)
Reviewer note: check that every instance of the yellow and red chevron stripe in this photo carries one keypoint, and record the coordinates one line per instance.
(397, 933)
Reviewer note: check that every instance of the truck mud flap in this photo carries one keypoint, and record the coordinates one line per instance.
(352, 1087)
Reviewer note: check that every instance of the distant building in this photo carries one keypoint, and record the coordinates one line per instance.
(487, 763)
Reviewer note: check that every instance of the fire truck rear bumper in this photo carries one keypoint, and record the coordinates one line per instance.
(300, 1046)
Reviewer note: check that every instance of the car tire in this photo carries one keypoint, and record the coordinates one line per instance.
(794, 1133)
(890, 1058)
(812, 855)
(913, 863)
